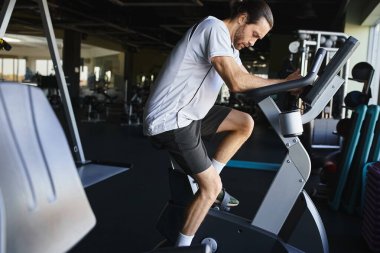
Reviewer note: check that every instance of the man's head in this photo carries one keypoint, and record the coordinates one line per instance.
(255, 20)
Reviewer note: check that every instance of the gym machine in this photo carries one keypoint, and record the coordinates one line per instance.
(322, 129)
(359, 135)
(91, 172)
(43, 206)
(287, 220)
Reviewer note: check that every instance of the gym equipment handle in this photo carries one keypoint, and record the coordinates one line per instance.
(259, 94)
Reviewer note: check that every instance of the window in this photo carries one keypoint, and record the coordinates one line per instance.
(8, 69)
(373, 58)
(45, 67)
(83, 75)
(12, 69)
(97, 73)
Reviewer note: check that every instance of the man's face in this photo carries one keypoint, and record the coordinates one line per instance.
(248, 34)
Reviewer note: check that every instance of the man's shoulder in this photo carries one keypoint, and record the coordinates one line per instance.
(211, 23)
(211, 20)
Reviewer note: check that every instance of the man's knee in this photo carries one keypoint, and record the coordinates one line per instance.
(213, 190)
(247, 124)
(217, 186)
(210, 185)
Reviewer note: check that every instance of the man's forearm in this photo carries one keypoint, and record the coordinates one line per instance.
(248, 81)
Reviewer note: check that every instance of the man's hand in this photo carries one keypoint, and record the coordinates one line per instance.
(294, 76)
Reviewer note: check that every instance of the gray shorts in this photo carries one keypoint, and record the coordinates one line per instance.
(185, 145)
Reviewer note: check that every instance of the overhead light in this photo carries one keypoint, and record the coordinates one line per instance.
(11, 40)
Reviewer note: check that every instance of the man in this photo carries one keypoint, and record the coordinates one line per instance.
(180, 108)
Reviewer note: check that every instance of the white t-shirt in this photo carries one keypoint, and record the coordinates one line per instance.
(188, 85)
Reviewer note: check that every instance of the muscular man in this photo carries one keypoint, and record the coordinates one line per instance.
(180, 108)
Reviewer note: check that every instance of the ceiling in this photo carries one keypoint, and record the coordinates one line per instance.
(159, 24)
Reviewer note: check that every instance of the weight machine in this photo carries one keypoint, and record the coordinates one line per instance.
(91, 172)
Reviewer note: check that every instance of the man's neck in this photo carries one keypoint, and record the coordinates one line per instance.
(232, 26)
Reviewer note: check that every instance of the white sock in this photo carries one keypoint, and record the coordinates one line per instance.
(184, 240)
(218, 165)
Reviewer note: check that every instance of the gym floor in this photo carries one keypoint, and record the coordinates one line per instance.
(127, 205)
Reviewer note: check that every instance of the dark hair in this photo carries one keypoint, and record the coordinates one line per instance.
(255, 9)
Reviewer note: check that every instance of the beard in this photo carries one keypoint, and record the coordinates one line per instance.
(238, 38)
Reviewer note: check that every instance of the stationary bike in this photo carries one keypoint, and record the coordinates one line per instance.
(287, 220)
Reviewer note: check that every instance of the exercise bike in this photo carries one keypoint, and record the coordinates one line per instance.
(287, 219)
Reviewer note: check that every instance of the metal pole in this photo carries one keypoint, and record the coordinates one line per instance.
(5, 15)
(52, 43)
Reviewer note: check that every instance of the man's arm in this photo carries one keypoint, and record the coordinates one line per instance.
(237, 77)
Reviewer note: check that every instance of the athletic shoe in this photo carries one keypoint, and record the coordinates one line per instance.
(226, 198)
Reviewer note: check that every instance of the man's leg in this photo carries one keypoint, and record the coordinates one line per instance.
(239, 126)
(210, 185)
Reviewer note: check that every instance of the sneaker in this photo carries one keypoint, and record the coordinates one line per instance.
(226, 198)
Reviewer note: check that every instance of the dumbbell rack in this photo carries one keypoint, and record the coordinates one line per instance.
(310, 41)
